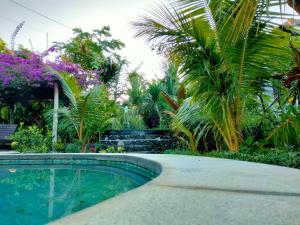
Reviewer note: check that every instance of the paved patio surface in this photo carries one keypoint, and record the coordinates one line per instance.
(203, 191)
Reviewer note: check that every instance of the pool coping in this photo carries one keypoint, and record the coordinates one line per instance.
(196, 190)
(146, 163)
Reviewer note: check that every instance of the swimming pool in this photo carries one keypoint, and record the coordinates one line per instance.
(40, 190)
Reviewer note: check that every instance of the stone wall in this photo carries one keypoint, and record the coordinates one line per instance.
(142, 141)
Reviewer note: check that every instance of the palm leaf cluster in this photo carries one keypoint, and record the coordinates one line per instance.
(87, 114)
(228, 52)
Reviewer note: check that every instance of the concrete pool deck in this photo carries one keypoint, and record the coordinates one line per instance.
(205, 191)
(195, 191)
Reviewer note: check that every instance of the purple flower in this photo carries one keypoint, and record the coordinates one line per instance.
(30, 69)
(6, 81)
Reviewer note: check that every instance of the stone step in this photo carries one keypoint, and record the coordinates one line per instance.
(137, 141)
(118, 137)
(137, 132)
(139, 148)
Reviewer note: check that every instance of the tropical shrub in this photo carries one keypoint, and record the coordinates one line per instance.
(136, 90)
(73, 148)
(127, 119)
(151, 107)
(31, 140)
(287, 131)
(88, 112)
(59, 146)
(186, 124)
(145, 97)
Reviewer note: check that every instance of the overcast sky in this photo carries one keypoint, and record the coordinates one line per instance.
(86, 14)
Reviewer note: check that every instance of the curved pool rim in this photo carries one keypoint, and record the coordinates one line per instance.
(142, 167)
(81, 159)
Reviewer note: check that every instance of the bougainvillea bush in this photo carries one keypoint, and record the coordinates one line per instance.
(26, 76)
(31, 69)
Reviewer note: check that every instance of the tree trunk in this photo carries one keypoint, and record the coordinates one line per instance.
(83, 149)
(55, 114)
(235, 146)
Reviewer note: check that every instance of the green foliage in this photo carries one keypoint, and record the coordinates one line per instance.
(227, 53)
(151, 107)
(145, 97)
(287, 132)
(59, 146)
(88, 113)
(281, 157)
(3, 47)
(170, 83)
(190, 125)
(127, 119)
(95, 51)
(30, 140)
(113, 149)
(289, 157)
(137, 89)
(72, 148)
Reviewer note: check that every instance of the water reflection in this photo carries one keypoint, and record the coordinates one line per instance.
(51, 193)
(40, 195)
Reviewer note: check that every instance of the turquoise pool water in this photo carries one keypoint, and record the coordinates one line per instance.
(38, 194)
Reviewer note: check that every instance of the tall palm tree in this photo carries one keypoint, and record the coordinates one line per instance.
(227, 51)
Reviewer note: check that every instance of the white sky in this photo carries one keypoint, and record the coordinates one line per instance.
(86, 14)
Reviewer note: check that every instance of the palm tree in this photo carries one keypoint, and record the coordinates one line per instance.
(227, 51)
(88, 112)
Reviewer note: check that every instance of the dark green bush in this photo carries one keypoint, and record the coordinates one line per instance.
(73, 148)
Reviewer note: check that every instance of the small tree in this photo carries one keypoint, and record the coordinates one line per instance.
(97, 52)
